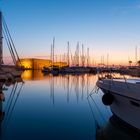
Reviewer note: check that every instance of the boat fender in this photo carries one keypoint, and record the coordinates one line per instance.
(107, 99)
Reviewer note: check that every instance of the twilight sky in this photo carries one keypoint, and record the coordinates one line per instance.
(105, 26)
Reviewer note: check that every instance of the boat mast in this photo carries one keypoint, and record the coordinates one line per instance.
(83, 58)
(68, 54)
(1, 42)
(77, 54)
(107, 60)
(87, 57)
(53, 45)
(136, 56)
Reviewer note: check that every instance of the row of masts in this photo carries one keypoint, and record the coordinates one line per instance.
(79, 58)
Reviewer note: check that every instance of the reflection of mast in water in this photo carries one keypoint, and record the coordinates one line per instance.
(52, 90)
(83, 86)
(87, 84)
(77, 87)
(10, 104)
(9, 108)
(1, 107)
(68, 88)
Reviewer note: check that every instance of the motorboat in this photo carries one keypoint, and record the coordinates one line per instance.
(123, 97)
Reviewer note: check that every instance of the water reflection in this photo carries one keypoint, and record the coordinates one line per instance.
(61, 107)
(7, 105)
(100, 113)
(1, 106)
(115, 130)
(32, 75)
(79, 84)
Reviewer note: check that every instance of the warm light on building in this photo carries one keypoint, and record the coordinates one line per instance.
(38, 64)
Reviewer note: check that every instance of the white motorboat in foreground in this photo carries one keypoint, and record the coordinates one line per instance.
(123, 97)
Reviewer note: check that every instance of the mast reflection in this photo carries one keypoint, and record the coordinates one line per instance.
(7, 106)
(2, 113)
(79, 84)
(74, 85)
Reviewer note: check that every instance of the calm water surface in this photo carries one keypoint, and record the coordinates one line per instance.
(50, 107)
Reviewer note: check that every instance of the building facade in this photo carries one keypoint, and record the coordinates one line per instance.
(38, 64)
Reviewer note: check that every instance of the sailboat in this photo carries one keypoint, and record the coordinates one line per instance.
(7, 72)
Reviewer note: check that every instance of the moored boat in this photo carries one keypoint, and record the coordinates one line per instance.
(46, 70)
(123, 97)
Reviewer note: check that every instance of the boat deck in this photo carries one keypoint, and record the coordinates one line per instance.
(124, 87)
(134, 81)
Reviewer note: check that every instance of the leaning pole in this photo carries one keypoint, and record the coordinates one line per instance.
(1, 44)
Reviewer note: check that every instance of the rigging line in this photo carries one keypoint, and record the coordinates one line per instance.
(11, 101)
(92, 112)
(94, 90)
(10, 96)
(98, 109)
(10, 49)
(11, 39)
(12, 109)
(9, 42)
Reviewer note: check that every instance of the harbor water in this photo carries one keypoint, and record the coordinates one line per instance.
(47, 107)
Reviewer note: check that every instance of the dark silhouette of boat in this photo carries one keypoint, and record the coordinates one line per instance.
(117, 130)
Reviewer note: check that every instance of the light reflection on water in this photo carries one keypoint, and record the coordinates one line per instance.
(53, 107)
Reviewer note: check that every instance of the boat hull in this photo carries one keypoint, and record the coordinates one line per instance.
(124, 107)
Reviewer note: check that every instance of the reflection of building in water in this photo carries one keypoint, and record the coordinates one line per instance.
(38, 64)
(115, 130)
(33, 75)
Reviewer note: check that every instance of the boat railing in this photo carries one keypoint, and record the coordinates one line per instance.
(112, 77)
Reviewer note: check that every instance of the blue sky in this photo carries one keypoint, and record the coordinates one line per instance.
(105, 26)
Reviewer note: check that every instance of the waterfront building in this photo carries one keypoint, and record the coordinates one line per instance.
(38, 64)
